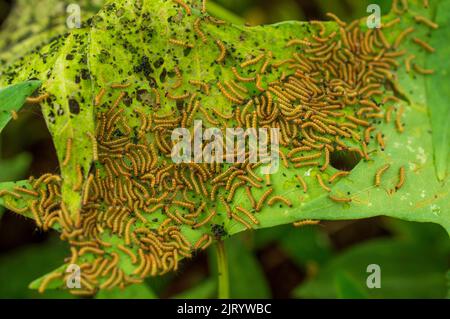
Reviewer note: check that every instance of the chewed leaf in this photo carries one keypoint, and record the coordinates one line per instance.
(348, 109)
(13, 98)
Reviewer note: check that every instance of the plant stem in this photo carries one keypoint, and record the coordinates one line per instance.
(220, 12)
(222, 271)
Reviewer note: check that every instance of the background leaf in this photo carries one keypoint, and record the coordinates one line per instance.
(205, 290)
(18, 269)
(13, 97)
(411, 268)
(139, 291)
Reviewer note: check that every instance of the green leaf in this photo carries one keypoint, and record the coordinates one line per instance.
(13, 97)
(20, 203)
(347, 287)
(408, 270)
(205, 290)
(424, 233)
(14, 168)
(139, 291)
(306, 244)
(437, 93)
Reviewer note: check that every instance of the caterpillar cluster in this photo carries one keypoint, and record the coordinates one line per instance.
(327, 99)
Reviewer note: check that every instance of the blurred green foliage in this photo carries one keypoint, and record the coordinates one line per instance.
(411, 267)
(19, 267)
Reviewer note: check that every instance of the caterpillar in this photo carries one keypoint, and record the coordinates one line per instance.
(401, 36)
(240, 77)
(223, 51)
(327, 160)
(321, 26)
(37, 100)
(379, 173)
(199, 242)
(426, 21)
(242, 221)
(25, 191)
(298, 42)
(322, 184)
(380, 141)
(179, 78)
(68, 152)
(234, 91)
(408, 62)
(12, 208)
(250, 196)
(335, 18)
(303, 164)
(248, 214)
(268, 181)
(197, 30)
(392, 23)
(94, 146)
(266, 63)
(259, 83)
(201, 84)
(337, 175)
(120, 85)
(205, 221)
(178, 97)
(421, 70)
(305, 222)
(14, 115)
(279, 199)
(339, 199)
(227, 206)
(398, 123)
(306, 158)
(228, 95)
(47, 279)
(119, 99)
(302, 182)
(98, 98)
(208, 242)
(424, 45)
(252, 61)
(181, 43)
(357, 121)
(184, 5)
(401, 180)
(263, 199)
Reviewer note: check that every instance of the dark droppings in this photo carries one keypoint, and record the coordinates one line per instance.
(74, 106)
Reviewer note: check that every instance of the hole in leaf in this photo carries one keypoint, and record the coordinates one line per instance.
(344, 160)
